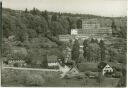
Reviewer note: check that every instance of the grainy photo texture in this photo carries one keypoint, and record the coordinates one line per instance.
(64, 43)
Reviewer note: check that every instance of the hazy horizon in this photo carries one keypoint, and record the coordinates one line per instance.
(109, 8)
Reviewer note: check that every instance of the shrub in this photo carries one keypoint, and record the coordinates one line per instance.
(87, 67)
(87, 73)
(117, 75)
(15, 64)
(34, 80)
(15, 77)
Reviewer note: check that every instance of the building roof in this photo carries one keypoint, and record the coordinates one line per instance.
(52, 59)
(19, 50)
(73, 67)
(101, 65)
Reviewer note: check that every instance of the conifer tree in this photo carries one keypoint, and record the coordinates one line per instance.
(75, 51)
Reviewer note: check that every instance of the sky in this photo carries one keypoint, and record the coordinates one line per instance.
(109, 8)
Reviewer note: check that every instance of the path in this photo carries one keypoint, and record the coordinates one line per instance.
(36, 69)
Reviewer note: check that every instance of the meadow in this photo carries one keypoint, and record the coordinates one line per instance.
(14, 78)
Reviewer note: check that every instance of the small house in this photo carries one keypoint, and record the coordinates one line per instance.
(107, 68)
(73, 71)
(104, 67)
(16, 62)
(52, 61)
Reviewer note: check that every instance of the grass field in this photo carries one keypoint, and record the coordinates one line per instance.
(108, 82)
(15, 78)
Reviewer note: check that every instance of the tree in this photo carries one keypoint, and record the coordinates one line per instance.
(72, 24)
(54, 17)
(114, 28)
(44, 62)
(122, 81)
(111, 53)
(75, 51)
(65, 24)
(85, 44)
(102, 50)
(100, 78)
(79, 24)
(45, 15)
(56, 28)
(35, 11)
(26, 10)
(92, 40)
(93, 51)
(123, 32)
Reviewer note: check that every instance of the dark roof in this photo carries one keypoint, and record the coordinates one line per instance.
(72, 68)
(52, 58)
(101, 65)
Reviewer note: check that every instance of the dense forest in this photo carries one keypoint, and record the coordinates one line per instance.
(33, 23)
(38, 31)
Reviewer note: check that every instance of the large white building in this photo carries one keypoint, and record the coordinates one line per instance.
(90, 29)
(74, 31)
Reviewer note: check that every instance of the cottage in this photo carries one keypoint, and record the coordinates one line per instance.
(104, 67)
(16, 62)
(107, 68)
(52, 61)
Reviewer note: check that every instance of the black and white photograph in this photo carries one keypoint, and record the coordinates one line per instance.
(63, 43)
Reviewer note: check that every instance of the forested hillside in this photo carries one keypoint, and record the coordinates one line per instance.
(37, 31)
(34, 23)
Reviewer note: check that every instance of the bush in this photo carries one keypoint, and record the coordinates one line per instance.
(15, 64)
(117, 75)
(15, 77)
(10, 76)
(87, 73)
(34, 80)
(87, 67)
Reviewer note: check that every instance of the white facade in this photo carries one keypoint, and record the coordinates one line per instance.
(53, 64)
(107, 68)
(74, 31)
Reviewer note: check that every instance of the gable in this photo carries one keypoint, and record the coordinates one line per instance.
(73, 71)
(107, 67)
(101, 65)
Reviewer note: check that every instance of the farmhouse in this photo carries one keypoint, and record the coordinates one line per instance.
(107, 68)
(104, 67)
